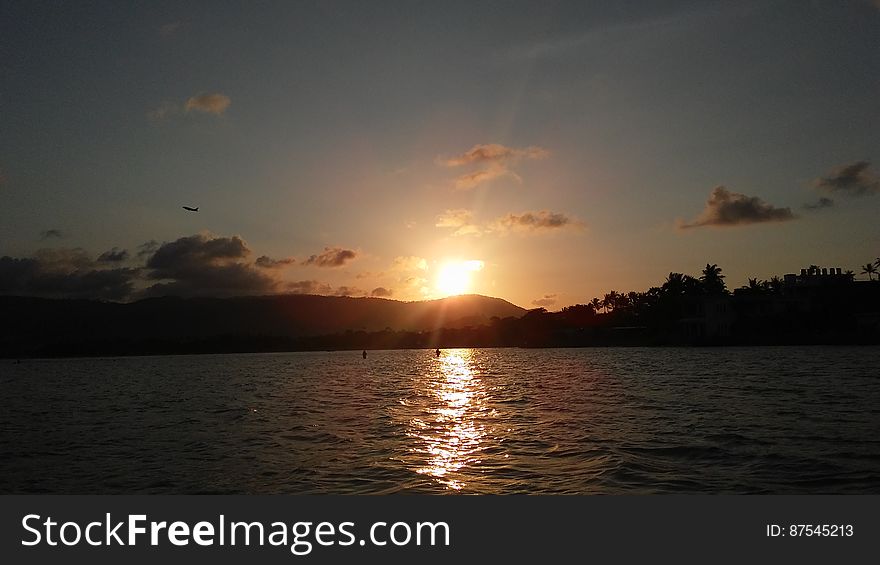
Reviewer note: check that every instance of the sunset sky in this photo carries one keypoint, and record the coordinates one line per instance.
(552, 151)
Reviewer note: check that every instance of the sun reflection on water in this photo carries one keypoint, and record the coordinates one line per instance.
(449, 432)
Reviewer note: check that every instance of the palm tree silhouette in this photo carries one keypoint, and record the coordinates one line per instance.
(869, 269)
(596, 304)
(610, 300)
(713, 280)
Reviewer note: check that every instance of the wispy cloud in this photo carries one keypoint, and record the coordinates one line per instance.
(461, 220)
(168, 29)
(409, 263)
(524, 222)
(50, 234)
(726, 208)
(308, 287)
(331, 257)
(213, 103)
(851, 179)
(543, 220)
(495, 153)
(496, 161)
(164, 112)
(266, 262)
(823, 202)
(546, 300)
(115, 255)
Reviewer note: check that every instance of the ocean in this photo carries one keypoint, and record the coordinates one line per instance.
(473, 421)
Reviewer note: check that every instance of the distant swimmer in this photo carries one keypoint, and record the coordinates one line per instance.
(365, 353)
(437, 353)
(190, 209)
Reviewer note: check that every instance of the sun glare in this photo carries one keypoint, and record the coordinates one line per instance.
(454, 277)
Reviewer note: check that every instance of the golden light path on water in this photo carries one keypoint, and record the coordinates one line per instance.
(449, 433)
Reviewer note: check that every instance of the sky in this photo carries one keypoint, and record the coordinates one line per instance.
(541, 152)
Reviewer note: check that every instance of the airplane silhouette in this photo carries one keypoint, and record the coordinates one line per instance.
(196, 209)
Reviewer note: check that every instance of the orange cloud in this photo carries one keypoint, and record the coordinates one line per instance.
(214, 103)
(496, 159)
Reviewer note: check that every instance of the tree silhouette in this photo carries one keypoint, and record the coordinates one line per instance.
(869, 269)
(713, 280)
(678, 284)
(596, 304)
(610, 300)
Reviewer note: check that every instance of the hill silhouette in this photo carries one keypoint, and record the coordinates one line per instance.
(40, 326)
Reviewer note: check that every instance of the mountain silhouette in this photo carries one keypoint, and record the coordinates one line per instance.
(34, 325)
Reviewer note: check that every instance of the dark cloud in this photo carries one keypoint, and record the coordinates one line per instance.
(206, 265)
(48, 234)
(113, 256)
(854, 179)
(308, 287)
(547, 300)
(147, 248)
(819, 204)
(348, 291)
(726, 208)
(533, 221)
(331, 257)
(64, 273)
(381, 292)
(267, 262)
(214, 103)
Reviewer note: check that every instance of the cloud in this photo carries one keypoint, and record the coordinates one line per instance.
(48, 234)
(461, 220)
(147, 248)
(547, 300)
(348, 291)
(852, 179)
(266, 262)
(454, 218)
(115, 255)
(819, 204)
(471, 180)
(495, 153)
(206, 265)
(214, 103)
(496, 161)
(409, 263)
(308, 287)
(381, 292)
(726, 208)
(331, 257)
(166, 110)
(168, 29)
(543, 220)
(64, 273)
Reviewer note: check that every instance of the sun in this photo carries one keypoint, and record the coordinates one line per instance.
(454, 277)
